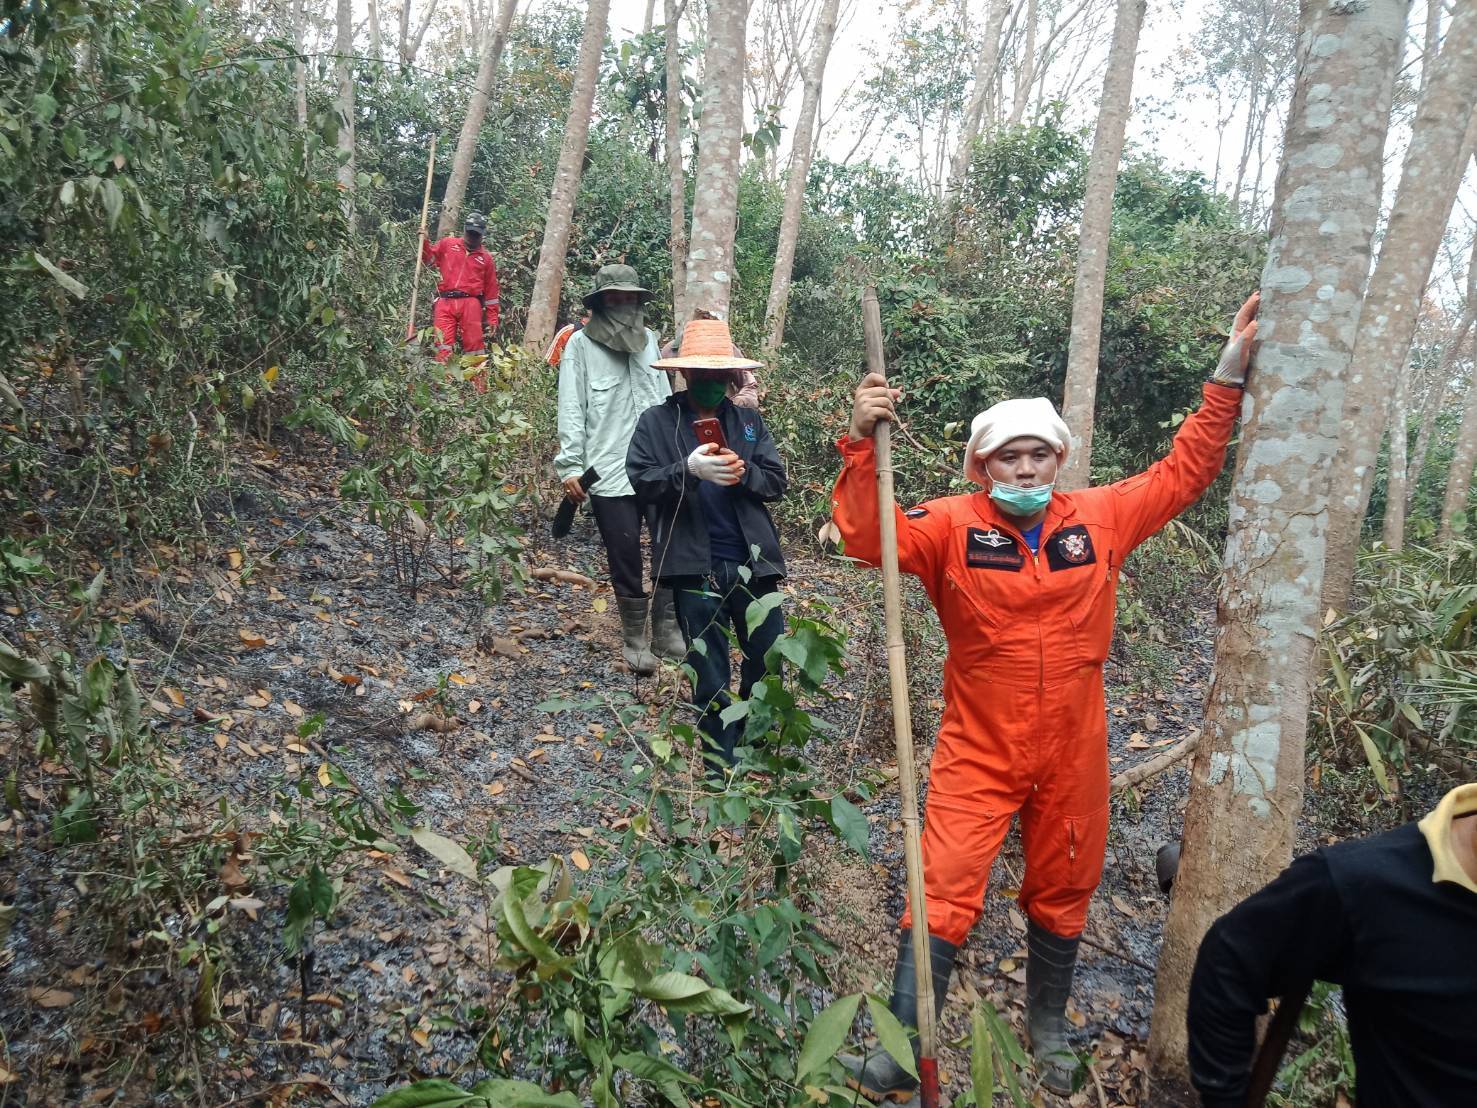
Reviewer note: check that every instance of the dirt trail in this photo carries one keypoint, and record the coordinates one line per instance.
(238, 652)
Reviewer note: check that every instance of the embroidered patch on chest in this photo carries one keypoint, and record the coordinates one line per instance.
(1070, 547)
(992, 550)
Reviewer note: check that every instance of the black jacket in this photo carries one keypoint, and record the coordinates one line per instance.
(1365, 915)
(657, 466)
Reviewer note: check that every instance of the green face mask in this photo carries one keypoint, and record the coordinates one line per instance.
(1016, 501)
(708, 393)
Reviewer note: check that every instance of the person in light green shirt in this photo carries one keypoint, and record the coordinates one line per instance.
(605, 383)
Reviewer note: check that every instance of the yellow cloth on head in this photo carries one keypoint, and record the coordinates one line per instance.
(1436, 827)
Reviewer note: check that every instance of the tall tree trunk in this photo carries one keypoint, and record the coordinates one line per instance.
(543, 308)
(1025, 75)
(344, 66)
(720, 141)
(1442, 380)
(650, 15)
(1079, 395)
(1428, 183)
(1459, 477)
(1396, 476)
(1246, 784)
(409, 50)
(986, 63)
(1432, 44)
(300, 67)
(801, 148)
(375, 45)
(402, 46)
(466, 143)
(676, 178)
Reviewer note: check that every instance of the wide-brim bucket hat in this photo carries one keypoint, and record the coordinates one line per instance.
(616, 278)
(707, 344)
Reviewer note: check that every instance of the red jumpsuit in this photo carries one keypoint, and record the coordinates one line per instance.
(1024, 726)
(468, 288)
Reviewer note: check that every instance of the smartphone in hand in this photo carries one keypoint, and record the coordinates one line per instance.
(710, 431)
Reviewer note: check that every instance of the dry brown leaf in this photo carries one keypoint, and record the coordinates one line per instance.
(235, 558)
(1123, 906)
(251, 639)
(494, 789)
(323, 778)
(260, 699)
(293, 708)
(418, 1035)
(429, 721)
(1136, 741)
(580, 860)
(458, 679)
(176, 696)
(49, 997)
(397, 876)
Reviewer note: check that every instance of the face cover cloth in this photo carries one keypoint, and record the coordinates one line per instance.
(622, 329)
(1018, 501)
(708, 393)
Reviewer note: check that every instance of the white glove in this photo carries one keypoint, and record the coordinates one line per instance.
(705, 464)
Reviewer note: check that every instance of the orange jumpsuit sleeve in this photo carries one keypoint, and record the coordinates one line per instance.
(1145, 503)
(428, 252)
(922, 536)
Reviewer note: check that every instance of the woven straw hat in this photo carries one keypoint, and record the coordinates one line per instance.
(706, 344)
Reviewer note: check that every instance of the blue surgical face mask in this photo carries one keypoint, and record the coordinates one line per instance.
(1017, 501)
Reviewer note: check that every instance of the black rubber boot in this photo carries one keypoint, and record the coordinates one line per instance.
(877, 1076)
(635, 642)
(1049, 964)
(666, 636)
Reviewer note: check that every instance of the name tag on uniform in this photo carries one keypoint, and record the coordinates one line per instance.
(992, 550)
(1069, 547)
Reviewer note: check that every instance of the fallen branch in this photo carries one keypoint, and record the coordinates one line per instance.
(1135, 775)
(566, 576)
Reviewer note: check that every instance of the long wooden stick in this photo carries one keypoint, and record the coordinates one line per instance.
(415, 288)
(902, 716)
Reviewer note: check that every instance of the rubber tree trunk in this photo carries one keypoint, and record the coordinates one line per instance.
(986, 63)
(1459, 477)
(1428, 184)
(344, 68)
(801, 148)
(1392, 528)
(1246, 782)
(376, 47)
(720, 141)
(543, 308)
(300, 67)
(676, 177)
(1079, 395)
(466, 143)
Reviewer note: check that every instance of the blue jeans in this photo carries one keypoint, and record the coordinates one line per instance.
(706, 609)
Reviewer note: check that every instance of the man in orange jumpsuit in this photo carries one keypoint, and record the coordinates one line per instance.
(1024, 579)
(468, 291)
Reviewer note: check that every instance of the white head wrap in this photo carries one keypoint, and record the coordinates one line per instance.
(1035, 418)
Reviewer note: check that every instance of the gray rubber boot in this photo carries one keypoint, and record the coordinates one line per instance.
(635, 646)
(666, 635)
(1167, 866)
(878, 1077)
(1049, 964)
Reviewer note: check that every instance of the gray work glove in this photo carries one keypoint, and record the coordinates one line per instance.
(1235, 360)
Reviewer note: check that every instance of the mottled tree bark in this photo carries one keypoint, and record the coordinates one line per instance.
(543, 307)
(1459, 477)
(720, 141)
(1392, 528)
(676, 178)
(985, 66)
(344, 67)
(801, 148)
(1079, 394)
(375, 45)
(466, 143)
(1246, 783)
(1429, 178)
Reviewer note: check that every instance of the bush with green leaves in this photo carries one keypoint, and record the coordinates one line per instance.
(1400, 687)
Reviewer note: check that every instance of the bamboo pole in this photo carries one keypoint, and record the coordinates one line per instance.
(902, 715)
(415, 288)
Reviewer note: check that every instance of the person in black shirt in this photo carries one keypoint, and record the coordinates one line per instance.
(1392, 920)
(714, 543)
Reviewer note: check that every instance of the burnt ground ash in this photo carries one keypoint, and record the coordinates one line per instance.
(236, 651)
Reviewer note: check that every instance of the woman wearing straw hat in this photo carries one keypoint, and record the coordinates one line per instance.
(605, 383)
(714, 543)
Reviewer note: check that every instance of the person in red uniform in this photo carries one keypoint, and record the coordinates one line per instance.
(1024, 578)
(468, 291)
